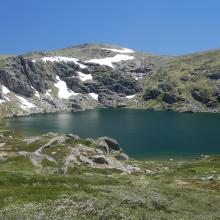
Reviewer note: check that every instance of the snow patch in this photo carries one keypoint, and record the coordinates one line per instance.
(94, 95)
(61, 59)
(5, 90)
(130, 96)
(122, 50)
(108, 61)
(48, 93)
(64, 92)
(25, 104)
(37, 94)
(84, 77)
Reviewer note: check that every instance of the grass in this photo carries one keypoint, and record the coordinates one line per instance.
(178, 193)
(173, 190)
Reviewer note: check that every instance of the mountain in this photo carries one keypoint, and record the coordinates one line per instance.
(90, 75)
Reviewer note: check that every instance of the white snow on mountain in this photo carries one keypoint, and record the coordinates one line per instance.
(122, 50)
(48, 93)
(84, 77)
(94, 95)
(108, 61)
(130, 96)
(5, 90)
(63, 91)
(61, 59)
(25, 104)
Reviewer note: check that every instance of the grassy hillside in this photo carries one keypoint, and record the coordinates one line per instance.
(185, 190)
(193, 79)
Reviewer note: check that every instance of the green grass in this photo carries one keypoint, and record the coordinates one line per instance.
(178, 193)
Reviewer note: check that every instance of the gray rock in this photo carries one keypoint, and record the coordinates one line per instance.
(133, 169)
(171, 98)
(56, 140)
(200, 95)
(73, 136)
(112, 143)
(100, 159)
(214, 76)
(113, 100)
(103, 146)
(85, 160)
(122, 156)
(151, 94)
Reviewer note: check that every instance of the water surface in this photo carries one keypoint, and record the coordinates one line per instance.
(142, 134)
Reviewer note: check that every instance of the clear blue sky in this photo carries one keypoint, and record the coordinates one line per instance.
(156, 26)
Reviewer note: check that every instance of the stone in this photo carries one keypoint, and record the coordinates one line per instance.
(100, 159)
(133, 169)
(102, 145)
(73, 136)
(200, 96)
(151, 94)
(122, 156)
(214, 76)
(56, 140)
(85, 160)
(209, 178)
(170, 98)
(165, 86)
(112, 143)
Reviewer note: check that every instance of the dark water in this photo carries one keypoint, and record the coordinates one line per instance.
(141, 133)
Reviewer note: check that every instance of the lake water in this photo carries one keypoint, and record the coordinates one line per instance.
(142, 134)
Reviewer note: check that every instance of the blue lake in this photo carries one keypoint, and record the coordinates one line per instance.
(142, 134)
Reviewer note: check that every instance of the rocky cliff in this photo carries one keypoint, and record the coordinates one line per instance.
(87, 76)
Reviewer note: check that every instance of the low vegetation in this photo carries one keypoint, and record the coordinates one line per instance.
(33, 188)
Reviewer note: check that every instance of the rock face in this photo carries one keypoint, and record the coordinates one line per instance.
(90, 76)
(72, 79)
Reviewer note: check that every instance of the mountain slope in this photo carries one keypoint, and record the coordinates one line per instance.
(90, 75)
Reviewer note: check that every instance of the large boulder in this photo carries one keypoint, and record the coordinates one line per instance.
(214, 76)
(200, 95)
(100, 159)
(102, 145)
(151, 94)
(112, 143)
(170, 98)
(165, 86)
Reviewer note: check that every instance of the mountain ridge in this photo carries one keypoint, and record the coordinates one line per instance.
(101, 75)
